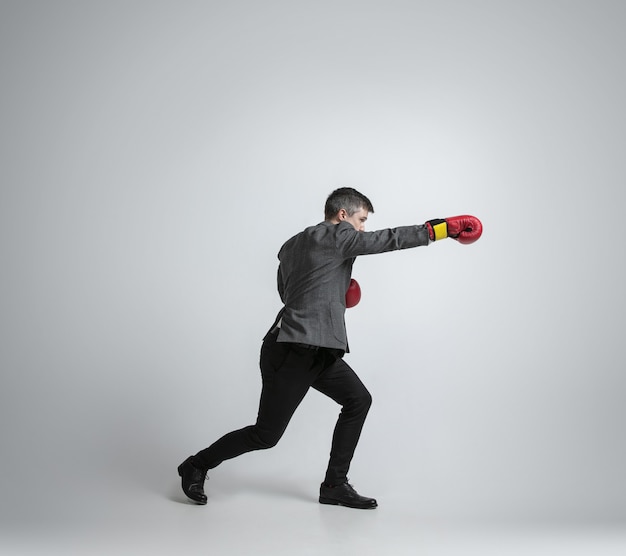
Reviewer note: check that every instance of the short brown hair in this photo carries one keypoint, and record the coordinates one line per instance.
(348, 199)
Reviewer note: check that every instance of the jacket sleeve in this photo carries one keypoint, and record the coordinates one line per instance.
(352, 243)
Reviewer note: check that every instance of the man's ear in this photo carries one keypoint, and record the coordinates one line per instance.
(342, 214)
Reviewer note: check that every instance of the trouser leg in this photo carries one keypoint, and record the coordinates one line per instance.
(287, 373)
(341, 383)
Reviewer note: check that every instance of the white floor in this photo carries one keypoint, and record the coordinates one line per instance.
(257, 515)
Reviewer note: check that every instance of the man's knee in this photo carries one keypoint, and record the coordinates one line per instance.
(263, 440)
(366, 400)
(360, 403)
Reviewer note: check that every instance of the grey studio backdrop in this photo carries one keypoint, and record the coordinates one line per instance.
(155, 156)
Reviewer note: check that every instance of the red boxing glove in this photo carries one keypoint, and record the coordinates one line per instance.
(353, 295)
(465, 229)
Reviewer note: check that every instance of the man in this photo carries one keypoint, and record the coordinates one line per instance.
(304, 348)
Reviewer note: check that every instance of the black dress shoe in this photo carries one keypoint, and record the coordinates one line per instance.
(345, 495)
(193, 480)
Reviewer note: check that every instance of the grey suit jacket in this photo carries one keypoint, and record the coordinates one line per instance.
(314, 275)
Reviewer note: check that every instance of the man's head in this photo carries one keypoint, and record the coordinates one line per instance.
(348, 204)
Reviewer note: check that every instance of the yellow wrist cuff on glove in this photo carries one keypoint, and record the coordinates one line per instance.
(440, 229)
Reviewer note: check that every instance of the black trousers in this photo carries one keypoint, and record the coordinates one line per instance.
(288, 371)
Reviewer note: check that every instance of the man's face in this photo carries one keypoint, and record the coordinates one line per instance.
(357, 219)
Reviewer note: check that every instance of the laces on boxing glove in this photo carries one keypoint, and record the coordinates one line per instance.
(437, 229)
